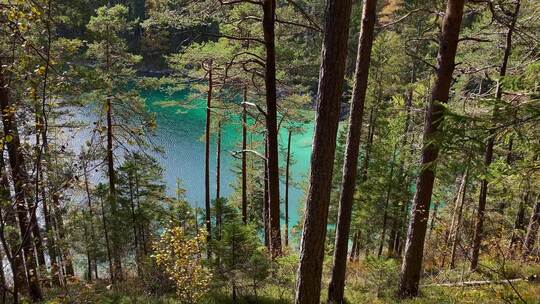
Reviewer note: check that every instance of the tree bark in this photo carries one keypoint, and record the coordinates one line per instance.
(341, 246)
(266, 215)
(332, 71)
(386, 202)
(269, 15)
(488, 153)
(414, 248)
(20, 178)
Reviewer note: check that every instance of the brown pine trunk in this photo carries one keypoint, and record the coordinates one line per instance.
(353, 248)
(244, 158)
(19, 178)
(332, 71)
(207, 162)
(532, 230)
(363, 58)
(414, 248)
(488, 153)
(269, 15)
(287, 176)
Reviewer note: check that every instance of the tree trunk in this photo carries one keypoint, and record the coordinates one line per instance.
(115, 250)
(488, 153)
(20, 178)
(332, 71)
(207, 162)
(414, 248)
(532, 230)
(136, 240)
(10, 237)
(269, 15)
(287, 176)
(68, 261)
(386, 202)
(244, 158)
(107, 242)
(266, 198)
(519, 224)
(341, 246)
(456, 218)
(218, 161)
(91, 214)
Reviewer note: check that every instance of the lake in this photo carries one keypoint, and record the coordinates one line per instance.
(180, 133)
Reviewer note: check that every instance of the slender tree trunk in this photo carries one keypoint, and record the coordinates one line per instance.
(332, 71)
(287, 177)
(354, 245)
(20, 178)
(136, 240)
(91, 214)
(266, 198)
(341, 246)
(519, 224)
(68, 261)
(218, 161)
(414, 248)
(269, 15)
(38, 241)
(488, 153)
(107, 242)
(532, 230)
(10, 237)
(207, 207)
(244, 158)
(386, 202)
(456, 219)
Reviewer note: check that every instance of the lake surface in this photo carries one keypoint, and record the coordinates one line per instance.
(180, 133)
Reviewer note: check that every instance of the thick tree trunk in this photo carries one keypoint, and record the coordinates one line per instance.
(532, 230)
(19, 178)
(332, 71)
(244, 158)
(269, 15)
(287, 176)
(488, 153)
(414, 248)
(208, 214)
(363, 58)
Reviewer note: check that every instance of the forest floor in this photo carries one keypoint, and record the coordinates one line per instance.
(371, 282)
(98, 293)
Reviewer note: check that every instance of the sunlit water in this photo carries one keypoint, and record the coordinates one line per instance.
(180, 133)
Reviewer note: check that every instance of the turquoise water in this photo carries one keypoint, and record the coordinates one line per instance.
(180, 131)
